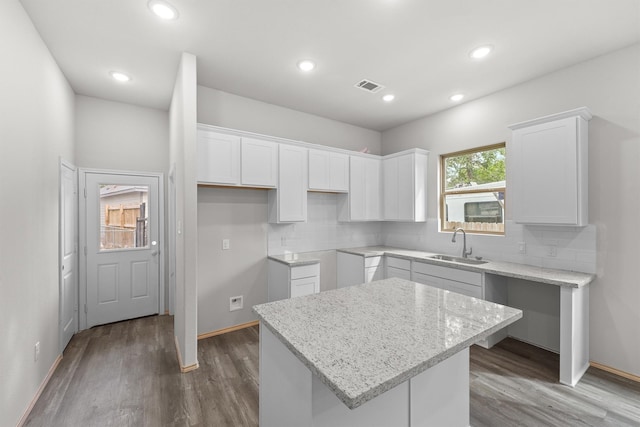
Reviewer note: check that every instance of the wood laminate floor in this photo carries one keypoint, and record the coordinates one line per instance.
(126, 374)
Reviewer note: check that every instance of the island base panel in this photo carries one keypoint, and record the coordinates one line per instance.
(290, 395)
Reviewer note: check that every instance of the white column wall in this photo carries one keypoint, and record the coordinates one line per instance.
(36, 130)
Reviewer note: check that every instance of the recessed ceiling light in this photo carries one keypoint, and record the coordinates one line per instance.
(163, 9)
(118, 76)
(457, 97)
(389, 97)
(306, 65)
(481, 52)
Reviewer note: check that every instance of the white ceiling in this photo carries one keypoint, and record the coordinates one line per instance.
(418, 49)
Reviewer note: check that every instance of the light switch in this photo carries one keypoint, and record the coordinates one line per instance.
(225, 244)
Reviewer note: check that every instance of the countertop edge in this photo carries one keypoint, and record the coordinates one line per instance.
(491, 267)
(294, 263)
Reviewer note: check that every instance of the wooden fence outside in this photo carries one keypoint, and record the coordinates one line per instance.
(122, 228)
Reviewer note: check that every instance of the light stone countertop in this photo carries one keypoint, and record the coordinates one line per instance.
(295, 259)
(571, 279)
(363, 340)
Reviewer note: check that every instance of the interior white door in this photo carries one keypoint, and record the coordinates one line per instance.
(68, 253)
(122, 246)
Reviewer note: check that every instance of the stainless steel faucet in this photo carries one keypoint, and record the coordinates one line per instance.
(464, 242)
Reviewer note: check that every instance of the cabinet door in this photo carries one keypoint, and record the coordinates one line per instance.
(350, 269)
(390, 188)
(544, 173)
(339, 172)
(406, 188)
(373, 201)
(259, 162)
(218, 158)
(357, 189)
(305, 286)
(318, 170)
(292, 184)
(398, 272)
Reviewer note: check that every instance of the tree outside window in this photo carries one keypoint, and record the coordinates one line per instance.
(472, 194)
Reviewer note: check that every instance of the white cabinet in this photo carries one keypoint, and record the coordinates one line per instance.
(231, 160)
(357, 269)
(548, 164)
(363, 202)
(404, 186)
(218, 158)
(259, 163)
(452, 279)
(398, 267)
(289, 202)
(328, 171)
(285, 281)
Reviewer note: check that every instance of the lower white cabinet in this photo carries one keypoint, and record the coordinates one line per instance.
(357, 269)
(290, 281)
(398, 267)
(452, 279)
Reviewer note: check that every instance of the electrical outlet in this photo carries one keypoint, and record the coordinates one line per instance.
(36, 351)
(236, 303)
(226, 244)
(522, 247)
(553, 251)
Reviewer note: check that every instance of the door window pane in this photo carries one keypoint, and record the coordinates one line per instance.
(124, 216)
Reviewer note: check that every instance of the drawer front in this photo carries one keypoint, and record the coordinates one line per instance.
(449, 285)
(305, 286)
(401, 263)
(398, 272)
(471, 277)
(302, 271)
(372, 261)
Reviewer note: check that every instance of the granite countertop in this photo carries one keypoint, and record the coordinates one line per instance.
(363, 340)
(296, 259)
(570, 279)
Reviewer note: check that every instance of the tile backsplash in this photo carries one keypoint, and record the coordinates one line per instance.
(322, 231)
(574, 247)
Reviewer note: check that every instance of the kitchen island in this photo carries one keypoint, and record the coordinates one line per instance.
(386, 353)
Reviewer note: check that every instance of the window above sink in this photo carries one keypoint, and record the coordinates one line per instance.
(472, 190)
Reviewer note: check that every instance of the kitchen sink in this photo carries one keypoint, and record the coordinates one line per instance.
(458, 259)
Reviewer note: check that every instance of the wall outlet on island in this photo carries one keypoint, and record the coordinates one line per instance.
(235, 303)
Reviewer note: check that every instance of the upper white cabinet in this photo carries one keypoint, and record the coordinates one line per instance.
(548, 169)
(328, 171)
(218, 158)
(289, 202)
(363, 202)
(259, 163)
(404, 186)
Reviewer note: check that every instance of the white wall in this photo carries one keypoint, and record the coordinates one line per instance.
(114, 135)
(236, 112)
(237, 215)
(184, 242)
(36, 128)
(117, 136)
(610, 87)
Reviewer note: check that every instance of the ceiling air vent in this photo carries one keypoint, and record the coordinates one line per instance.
(369, 86)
